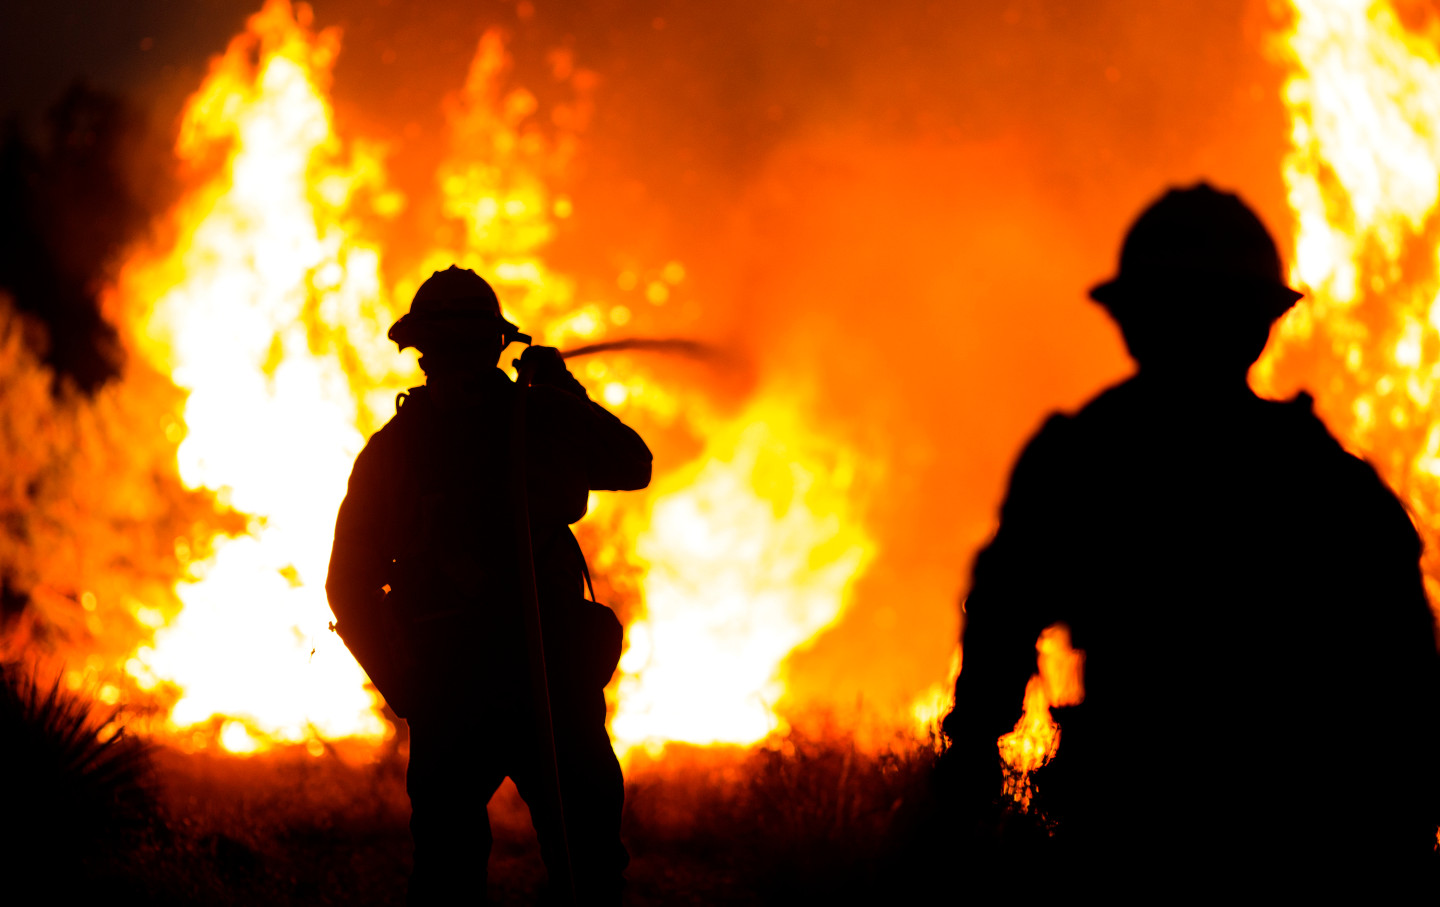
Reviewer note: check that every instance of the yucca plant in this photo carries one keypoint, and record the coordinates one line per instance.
(75, 784)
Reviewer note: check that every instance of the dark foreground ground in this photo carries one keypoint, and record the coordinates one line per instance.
(799, 820)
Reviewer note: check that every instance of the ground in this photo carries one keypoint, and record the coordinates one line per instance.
(704, 826)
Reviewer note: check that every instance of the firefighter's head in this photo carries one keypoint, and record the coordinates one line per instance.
(1200, 284)
(455, 323)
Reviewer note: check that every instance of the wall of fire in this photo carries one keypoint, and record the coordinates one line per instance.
(886, 214)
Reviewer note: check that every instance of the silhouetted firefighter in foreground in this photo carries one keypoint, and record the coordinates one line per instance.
(429, 577)
(1260, 670)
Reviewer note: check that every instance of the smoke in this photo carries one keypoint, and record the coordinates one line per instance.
(67, 206)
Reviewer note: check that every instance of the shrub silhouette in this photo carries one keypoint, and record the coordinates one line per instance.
(76, 785)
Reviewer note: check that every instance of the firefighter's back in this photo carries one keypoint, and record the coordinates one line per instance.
(1249, 643)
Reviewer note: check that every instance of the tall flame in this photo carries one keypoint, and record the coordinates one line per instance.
(247, 311)
(268, 306)
(1363, 177)
(748, 554)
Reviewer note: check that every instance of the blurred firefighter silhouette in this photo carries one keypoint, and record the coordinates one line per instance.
(1260, 661)
(428, 584)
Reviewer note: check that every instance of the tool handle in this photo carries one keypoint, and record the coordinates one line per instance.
(534, 632)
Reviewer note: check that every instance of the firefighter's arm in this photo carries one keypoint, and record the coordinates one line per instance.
(615, 457)
(361, 559)
(619, 459)
(998, 652)
(1012, 595)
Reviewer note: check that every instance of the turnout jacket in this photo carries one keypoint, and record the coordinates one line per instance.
(424, 570)
(1256, 630)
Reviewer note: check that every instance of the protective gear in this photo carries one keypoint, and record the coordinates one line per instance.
(425, 585)
(1197, 240)
(454, 306)
(1202, 548)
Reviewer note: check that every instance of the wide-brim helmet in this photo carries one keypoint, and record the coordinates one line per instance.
(453, 307)
(1193, 242)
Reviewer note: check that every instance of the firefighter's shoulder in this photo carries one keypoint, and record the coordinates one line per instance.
(1053, 443)
(1350, 483)
(1070, 449)
(392, 440)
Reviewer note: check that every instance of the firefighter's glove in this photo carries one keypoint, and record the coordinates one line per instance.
(546, 367)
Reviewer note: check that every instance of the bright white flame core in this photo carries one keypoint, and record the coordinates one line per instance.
(746, 559)
(268, 420)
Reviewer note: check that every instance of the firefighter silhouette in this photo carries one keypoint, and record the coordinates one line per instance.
(1260, 660)
(426, 585)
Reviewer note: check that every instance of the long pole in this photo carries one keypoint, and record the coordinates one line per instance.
(534, 632)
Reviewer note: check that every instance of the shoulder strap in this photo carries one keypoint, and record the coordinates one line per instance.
(405, 396)
(584, 567)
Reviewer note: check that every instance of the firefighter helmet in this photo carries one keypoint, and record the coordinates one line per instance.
(1198, 240)
(453, 305)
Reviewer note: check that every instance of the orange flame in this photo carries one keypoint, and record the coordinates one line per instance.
(749, 553)
(1363, 177)
(1059, 682)
(252, 311)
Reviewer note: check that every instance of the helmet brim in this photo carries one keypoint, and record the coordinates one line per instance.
(1120, 292)
(422, 330)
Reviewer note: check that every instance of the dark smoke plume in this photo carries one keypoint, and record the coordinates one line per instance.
(68, 205)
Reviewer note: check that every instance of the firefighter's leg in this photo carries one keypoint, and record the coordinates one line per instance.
(450, 779)
(593, 792)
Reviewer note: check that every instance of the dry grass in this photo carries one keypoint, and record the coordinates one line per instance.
(77, 788)
(805, 818)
